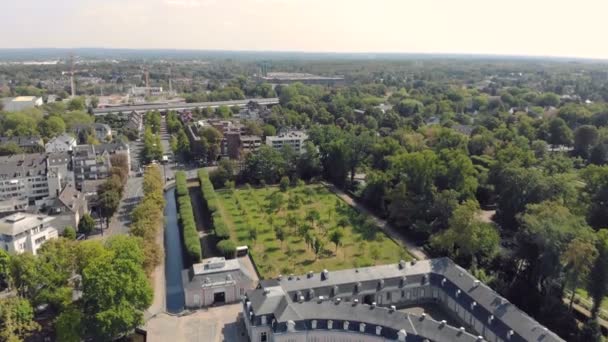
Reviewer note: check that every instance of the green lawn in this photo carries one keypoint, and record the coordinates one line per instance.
(266, 208)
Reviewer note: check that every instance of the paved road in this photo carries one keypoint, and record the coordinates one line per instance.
(416, 251)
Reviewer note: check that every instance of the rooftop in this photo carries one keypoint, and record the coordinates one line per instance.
(295, 297)
(22, 165)
(20, 222)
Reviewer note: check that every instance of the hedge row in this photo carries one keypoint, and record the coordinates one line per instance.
(226, 246)
(192, 243)
(181, 184)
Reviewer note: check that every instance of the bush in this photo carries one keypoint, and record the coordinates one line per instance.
(227, 248)
(69, 233)
(181, 184)
(284, 184)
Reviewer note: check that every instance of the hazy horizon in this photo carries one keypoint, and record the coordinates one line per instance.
(541, 28)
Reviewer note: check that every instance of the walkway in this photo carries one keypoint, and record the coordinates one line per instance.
(414, 250)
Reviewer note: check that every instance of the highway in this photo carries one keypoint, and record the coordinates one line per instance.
(181, 106)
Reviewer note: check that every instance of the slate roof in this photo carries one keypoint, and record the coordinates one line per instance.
(281, 299)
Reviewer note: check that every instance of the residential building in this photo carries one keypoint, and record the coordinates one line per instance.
(216, 281)
(136, 121)
(145, 91)
(101, 131)
(61, 143)
(238, 145)
(68, 208)
(91, 162)
(59, 166)
(295, 139)
(361, 305)
(25, 175)
(19, 103)
(23, 232)
(27, 144)
(11, 205)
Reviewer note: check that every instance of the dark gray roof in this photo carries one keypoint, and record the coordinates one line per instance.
(25, 142)
(442, 273)
(22, 165)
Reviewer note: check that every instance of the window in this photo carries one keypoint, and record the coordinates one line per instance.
(402, 294)
(388, 296)
(264, 337)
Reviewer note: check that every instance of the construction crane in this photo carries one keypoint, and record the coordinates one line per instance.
(147, 79)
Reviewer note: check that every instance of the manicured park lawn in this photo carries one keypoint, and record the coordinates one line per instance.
(264, 209)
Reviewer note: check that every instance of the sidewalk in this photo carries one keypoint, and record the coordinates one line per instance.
(158, 282)
(414, 250)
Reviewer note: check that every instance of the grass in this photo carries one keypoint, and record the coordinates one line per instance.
(587, 302)
(264, 209)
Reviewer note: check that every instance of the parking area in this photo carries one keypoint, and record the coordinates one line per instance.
(215, 324)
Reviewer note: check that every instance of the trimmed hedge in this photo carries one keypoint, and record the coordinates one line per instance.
(181, 184)
(192, 243)
(227, 248)
(219, 225)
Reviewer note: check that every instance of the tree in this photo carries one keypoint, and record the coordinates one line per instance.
(115, 291)
(578, 259)
(94, 101)
(76, 103)
(69, 324)
(86, 224)
(309, 162)
(284, 184)
(336, 237)
(280, 234)
(69, 233)
(597, 285)
(108, 204)
(253, 234)
(51, 126)
(5, 262)
(317, 245)
(559, 132)
(312, 216)
(585, 137)
(16, 319)
(467, 236)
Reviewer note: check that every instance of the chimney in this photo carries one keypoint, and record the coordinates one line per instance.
(402, 264)
(476, 283)
(392, 308)
(373, 305)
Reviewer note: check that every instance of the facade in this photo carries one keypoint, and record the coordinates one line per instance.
(92, 162)
(238, 145)
(362, 305)
(12, 205)
(23, 232)
(19, 103)
(61, 143)
(27, 144)
(216, 281)
(295, 139)
(144, 91)
(25, 175)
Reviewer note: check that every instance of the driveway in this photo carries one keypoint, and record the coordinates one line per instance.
(216, 324)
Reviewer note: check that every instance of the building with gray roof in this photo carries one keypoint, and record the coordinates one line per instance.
(364, 305)
(216, 281)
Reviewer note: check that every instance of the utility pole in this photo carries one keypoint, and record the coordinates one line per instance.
(72, 85)
(170, 84)
(147, 79)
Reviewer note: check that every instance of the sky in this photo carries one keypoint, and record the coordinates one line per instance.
(507, 27)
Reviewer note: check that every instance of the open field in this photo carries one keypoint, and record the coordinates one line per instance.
(303, 211)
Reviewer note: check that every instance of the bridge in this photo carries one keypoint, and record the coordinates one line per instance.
(181, 106)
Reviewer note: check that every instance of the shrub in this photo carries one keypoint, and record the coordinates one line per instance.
(69, 233)
(284, 184)
(227, 248)
(181, 185)
(192, 243)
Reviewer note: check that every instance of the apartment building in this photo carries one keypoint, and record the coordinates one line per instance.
(295, 139)
(25, 175)
(22, 232)
(92, 162)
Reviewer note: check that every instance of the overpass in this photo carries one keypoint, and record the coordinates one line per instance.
(181, 106)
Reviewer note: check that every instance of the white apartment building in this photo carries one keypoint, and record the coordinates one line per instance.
(61, 143)
(294, 139)
(25, 175)
(22, 232)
